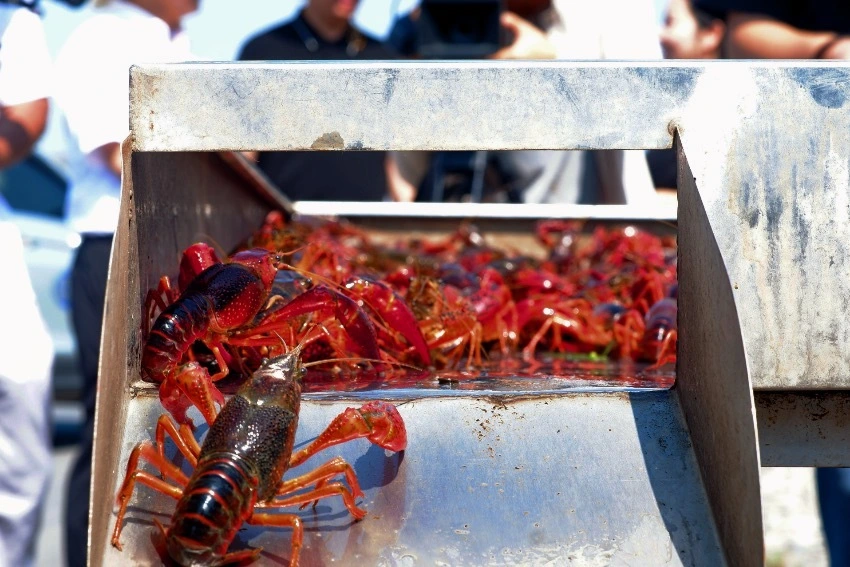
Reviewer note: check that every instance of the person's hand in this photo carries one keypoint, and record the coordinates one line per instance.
(838, 48)
(529, 42)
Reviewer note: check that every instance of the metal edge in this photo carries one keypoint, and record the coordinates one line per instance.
(112, 399)
(177, 68)
(636, 212)
(713, 384)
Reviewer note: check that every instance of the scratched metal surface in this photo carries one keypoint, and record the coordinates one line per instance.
(768, 143)
(406, 106)
(579, 479)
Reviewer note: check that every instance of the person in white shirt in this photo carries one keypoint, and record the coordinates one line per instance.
(26, 351)
(92, 92)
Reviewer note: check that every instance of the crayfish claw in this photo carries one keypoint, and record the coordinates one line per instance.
(386, 425)
(379, 422)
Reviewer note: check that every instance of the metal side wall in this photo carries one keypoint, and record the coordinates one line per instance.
(712, 381)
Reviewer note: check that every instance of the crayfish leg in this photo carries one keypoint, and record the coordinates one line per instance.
(190, 385)
(182, 437)
(244, 556)
(147, 451)
(667, 352)
(281, 521)
(318, 493)
(154, 299)
(378, 421)
(319, 477)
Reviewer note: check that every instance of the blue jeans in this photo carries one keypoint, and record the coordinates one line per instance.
(834, 500)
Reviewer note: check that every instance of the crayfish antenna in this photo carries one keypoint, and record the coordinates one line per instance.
(283, 343)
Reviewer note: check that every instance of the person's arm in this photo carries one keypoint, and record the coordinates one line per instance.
(24, 85)
(21, 125)
(529, 42)
(110, 155)
(756, 36)
(398, 186)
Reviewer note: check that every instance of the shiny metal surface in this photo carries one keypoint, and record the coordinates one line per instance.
(583, 479)
(402, 105)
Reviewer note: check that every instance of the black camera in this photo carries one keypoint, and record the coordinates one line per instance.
(459, 29)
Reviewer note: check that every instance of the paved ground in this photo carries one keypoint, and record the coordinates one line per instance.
(792, 525)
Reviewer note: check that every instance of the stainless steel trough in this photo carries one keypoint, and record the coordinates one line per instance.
(537, 475)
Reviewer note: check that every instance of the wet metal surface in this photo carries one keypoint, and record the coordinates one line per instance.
(549, 374)
(585, 479)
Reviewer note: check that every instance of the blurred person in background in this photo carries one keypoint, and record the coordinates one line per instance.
(785, 29)
(688, 32)
(93, 91)
(323, 31)
(26, 351)
(574, 30)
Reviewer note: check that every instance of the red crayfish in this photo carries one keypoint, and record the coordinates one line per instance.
(222, 307)
(460, 302)
(239, 469)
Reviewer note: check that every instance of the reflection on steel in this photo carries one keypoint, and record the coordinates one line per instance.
(597, 479)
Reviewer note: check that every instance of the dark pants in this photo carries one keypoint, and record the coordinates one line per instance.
(834, 499)
(88, 292)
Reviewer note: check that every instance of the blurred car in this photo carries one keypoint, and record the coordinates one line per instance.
(35, 191)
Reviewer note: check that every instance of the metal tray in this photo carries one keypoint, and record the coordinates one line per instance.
(505, 475)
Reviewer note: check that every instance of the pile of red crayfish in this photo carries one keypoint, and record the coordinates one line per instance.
(449, 303)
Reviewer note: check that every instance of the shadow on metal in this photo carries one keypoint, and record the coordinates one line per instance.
(667, 452)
